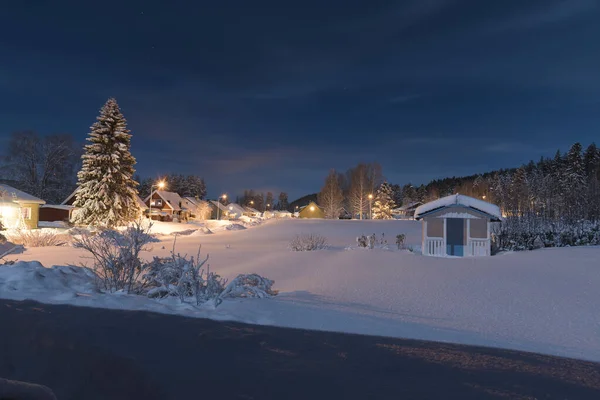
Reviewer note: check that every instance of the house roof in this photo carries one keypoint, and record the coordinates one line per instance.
(252, 210)
(489, 209)
(219, 205)
(18, 196)
(141, 203)
(235, 208)
(58, 206)
(69, 197)
(310, 203)
(171, 199)
(193, 200)
(409, 206)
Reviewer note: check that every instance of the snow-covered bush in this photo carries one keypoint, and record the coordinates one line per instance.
(116, 256)
(308, 242)
(249, 285)
(184, 277)
(38, 238)
(400, 240)
(371, 242)
(187, 278)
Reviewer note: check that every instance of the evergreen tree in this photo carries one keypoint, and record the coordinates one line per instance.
(269, 200)
(384, 202)
(397, 194)
(106, 192)
(575, 182)
(283, 201)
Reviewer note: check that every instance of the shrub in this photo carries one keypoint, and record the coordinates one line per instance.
(182, 277)
(372, 241)
(116, 256)
(308, 242)
(400, 240)
(38, 238)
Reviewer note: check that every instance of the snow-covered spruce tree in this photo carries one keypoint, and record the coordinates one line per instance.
(106, 192)
(384, 202)
(575, 183)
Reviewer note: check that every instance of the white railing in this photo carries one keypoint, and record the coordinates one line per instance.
(478, 247)
(434, 247)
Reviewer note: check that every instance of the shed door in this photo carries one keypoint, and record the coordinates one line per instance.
(455, 231)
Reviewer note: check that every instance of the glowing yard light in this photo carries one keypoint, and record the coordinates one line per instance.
(9, 214)
(312, 208)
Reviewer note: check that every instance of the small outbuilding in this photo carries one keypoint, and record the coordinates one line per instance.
(312, 210)
(457, 225)
(18, 207)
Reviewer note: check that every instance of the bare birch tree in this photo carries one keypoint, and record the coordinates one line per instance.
(331, 197)
(364, 178)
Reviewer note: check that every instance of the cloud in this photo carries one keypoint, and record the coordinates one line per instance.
(552, 12)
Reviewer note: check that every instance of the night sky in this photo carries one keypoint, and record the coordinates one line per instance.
(271, 94)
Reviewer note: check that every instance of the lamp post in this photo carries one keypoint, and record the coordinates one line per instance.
(224, 197)
(159, 185)
(370, 206)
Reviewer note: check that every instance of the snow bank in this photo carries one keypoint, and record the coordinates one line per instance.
(459, 199)
(31, 280)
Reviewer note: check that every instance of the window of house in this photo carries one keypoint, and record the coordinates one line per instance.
(157, 203)
(26, 212)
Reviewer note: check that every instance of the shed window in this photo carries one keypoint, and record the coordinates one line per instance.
(26, 212)
(435, 227)
(479, 228)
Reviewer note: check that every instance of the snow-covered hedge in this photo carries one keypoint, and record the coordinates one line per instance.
(308, 242)
(532, 232)
(372, 241)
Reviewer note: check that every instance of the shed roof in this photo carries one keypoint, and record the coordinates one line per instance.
(492, 210)
(18, 196)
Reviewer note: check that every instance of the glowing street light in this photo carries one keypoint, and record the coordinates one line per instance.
(224, 197)
(159, 185)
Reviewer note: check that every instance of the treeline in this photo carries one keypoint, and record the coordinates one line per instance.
(263, 202)
(185, 186)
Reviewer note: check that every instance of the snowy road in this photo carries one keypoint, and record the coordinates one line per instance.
(544, 301)
(85, 353)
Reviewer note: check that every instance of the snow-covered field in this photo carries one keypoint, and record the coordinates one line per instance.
(545, 301)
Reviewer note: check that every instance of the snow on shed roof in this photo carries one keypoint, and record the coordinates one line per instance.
(458, 199)
(59, 206)
(18, 195)
(409, 206)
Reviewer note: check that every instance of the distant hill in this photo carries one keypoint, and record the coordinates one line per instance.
(302, 201)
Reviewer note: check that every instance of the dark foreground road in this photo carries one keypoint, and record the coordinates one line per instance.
(85, 353)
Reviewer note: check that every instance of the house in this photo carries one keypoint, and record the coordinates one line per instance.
(220, 210)
(407, 211)
(18, 207)
(235, 211)
(252, 212)
(311, 210)
(457, 225)
(64, 211)
(198, 209)
(166, 206)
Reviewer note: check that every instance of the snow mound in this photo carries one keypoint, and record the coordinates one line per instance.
(29, 280)
(53, 224)
(235, 227)
(459, 199)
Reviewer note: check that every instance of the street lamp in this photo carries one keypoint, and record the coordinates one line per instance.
(370, 206)
(224, 197)
(159, 185)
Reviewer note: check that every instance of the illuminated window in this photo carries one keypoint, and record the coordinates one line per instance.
(26, 212)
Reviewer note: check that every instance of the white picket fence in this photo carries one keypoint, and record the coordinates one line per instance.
(434, 247)
(478, 247)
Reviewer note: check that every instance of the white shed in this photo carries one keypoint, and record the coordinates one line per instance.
(457, 225)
